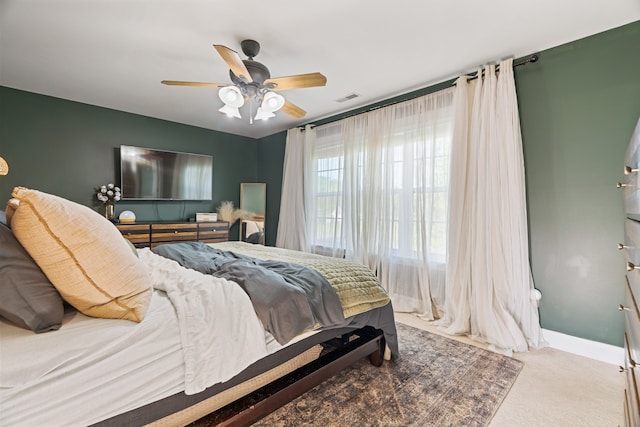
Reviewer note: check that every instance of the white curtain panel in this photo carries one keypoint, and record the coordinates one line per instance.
(292, 224)
(489, 283)
(391, 205)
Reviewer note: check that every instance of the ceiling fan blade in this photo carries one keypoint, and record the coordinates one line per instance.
(179, 83)
(234, 62)
(298, 81)
(293, 110)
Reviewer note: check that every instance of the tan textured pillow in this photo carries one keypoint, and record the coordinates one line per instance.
(83, 255)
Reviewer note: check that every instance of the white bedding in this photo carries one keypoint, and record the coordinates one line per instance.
(220, 332)
(198, 331)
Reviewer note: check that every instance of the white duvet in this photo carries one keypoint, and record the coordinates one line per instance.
(220, 332)
(198, 331)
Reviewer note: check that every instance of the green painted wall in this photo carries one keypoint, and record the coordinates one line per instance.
(578, 107)
(68, 148)
(271, 155)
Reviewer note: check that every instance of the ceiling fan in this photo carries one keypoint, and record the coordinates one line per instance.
(252, 82)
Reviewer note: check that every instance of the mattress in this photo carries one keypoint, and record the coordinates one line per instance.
(54, 378)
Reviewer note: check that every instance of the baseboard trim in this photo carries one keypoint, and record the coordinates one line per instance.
(582, 347)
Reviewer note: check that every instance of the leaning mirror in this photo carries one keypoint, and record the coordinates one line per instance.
(253, 197)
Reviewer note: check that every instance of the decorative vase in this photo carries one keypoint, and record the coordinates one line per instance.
(109, 211)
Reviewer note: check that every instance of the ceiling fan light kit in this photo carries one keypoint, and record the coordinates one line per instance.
(252, 81)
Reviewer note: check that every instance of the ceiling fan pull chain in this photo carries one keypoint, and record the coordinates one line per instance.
(251, 110)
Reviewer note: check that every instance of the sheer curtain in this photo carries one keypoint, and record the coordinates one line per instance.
(379, 181)
(292, 224)
(489, 284)
(430, 194)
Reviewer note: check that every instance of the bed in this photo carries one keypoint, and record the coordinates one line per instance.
(181, 343)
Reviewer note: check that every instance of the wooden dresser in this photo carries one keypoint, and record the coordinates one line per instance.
(631, 307)
(144, 234)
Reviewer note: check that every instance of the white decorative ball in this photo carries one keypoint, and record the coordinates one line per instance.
(127, 217)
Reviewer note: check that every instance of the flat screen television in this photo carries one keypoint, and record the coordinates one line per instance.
(149, 174)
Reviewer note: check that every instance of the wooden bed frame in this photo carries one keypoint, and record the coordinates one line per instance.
(251, 408)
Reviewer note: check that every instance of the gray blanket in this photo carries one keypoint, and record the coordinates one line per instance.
(288, 298)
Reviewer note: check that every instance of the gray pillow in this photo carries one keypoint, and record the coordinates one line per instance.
(27, 297)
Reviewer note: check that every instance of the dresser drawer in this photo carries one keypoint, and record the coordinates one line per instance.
(212, 232)
(633, 283)
(631, 194)
(163, 233)
(138, 234)
(632, 321)
(631, 246)
(631, 183)
(632, 386)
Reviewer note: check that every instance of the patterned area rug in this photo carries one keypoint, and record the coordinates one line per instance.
(437, 382)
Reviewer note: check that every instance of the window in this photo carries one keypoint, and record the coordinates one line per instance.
(390, 190)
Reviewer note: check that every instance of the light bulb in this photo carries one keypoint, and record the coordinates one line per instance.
(231, 96)
(272, 102)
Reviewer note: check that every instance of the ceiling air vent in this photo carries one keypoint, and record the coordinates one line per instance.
(348, 97)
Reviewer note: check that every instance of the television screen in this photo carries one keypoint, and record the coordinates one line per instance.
(148, 174)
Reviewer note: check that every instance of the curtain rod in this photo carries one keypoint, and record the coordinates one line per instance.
(531, 59)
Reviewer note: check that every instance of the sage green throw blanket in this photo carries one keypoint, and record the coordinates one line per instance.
(357, 287)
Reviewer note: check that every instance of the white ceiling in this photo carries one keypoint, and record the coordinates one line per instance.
(114, 53)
